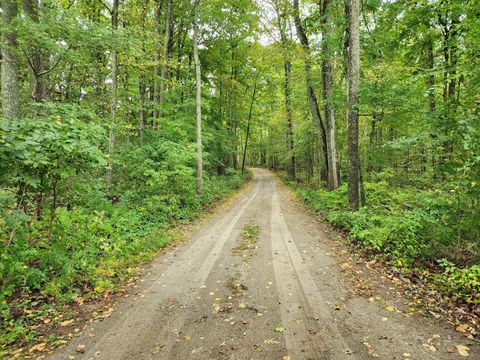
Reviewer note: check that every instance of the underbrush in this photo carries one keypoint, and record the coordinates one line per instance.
(414, 230)
(89, 252)
(66, 235)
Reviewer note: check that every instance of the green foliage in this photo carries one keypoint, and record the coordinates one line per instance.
(411, 227)
(91, 239)
(49, 148)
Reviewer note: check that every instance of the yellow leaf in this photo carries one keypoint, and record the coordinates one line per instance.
(390, 308)
(462, 350)
(462, 328)
(67, 323)
(38, 347)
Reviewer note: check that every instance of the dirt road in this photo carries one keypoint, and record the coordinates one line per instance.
(222, 295)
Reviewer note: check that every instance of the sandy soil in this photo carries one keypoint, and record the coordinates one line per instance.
(283, 296)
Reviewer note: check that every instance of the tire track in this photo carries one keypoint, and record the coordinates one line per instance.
(298, 293)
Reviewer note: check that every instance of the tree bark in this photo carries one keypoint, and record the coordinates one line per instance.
(333, 181)
(158, 67)
(248, 125)
(10, 94)
(38, 85)
(287, 66)
(142, 83)
(312, 98)
(126, 89)
(198, 99)
(114, 98)
(353, 83)
(167, 54)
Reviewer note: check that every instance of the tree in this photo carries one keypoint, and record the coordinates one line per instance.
(10, 93)
(114, 95)
(198, 98)
(312, 97)
(353, 83)
(287, 66)
(333, 177)
(247, 133)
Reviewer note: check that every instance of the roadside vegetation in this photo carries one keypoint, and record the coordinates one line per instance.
(420, 233)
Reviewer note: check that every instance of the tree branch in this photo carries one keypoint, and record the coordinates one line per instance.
(106, 7)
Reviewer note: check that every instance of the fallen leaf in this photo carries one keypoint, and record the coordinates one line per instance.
(280, 329)
(271, 341)
(67, 323)
(462, 350)
(80, 349)
(38, 347)
(462, 328)
(430, 347)
(450, 349)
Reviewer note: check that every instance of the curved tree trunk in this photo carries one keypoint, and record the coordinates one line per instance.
(312, 98)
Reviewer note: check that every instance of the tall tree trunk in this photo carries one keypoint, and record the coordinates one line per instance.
(431, 77)
(353, 83)
(333, 181)
(158, 67)
(167, 54)
(142, 87)
(287, 66)
(127, 102)
(248, 125)
(142, 83)
(312, 98)
(288, 111)
(198, 99)
(10, 94)
(114, 98)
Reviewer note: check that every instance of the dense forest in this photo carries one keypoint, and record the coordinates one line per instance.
(122, 119)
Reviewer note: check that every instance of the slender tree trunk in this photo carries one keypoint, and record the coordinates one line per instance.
(158, 67)
(114, 99)
(333, 181)
(198, 99)
(353, 83)
(38, 85)
(126, 90)
(288, 111)
(142, 83)
(141, 119)
(10, 94)
(287, 66)
(431, 78)
(248, 125)
(165, 73)
(312, 98)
